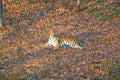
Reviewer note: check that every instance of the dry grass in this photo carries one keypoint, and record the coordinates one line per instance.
(27, 25)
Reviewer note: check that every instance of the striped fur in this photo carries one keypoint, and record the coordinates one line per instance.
(70, 42)
(59, 42)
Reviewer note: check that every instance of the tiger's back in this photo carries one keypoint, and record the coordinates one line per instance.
(70, 42)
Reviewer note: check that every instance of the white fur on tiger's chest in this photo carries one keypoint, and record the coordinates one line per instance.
(52, 41)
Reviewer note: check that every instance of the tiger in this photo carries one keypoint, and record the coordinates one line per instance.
(53, 40)
(57, 42)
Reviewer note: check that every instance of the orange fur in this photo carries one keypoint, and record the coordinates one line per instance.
(59, 42)
(69, 40)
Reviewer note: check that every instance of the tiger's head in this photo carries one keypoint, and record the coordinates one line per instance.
(54, 33)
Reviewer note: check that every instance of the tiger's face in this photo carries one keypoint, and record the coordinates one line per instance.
(53, 33)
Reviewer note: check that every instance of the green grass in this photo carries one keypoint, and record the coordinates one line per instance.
(114, 71)
(104, 12)
(96, 67)
(14, 26)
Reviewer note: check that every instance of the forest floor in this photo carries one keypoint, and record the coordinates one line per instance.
(27, 24)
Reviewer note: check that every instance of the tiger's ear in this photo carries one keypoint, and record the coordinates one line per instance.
(53, 31)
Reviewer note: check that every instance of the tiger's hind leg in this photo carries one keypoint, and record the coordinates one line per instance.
(80, 47)
(77, 46)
